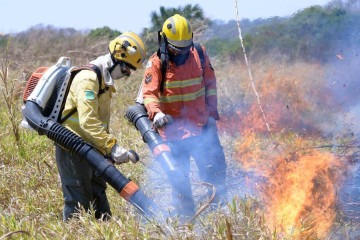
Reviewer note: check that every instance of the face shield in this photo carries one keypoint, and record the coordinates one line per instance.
(178, 55)
(119, 70)
(173, 50)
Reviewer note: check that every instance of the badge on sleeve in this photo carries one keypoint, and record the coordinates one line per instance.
(89, 95)
(149, 64)
(148, 78)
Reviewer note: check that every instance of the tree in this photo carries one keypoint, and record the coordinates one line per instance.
(349, 5)
(104, 33)
(193, 13)
(316, 30)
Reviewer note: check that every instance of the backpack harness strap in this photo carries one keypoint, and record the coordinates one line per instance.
(200, 53)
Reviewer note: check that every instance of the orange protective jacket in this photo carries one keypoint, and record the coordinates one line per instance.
(189, 95)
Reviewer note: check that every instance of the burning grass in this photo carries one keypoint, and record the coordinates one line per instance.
(297, 180)
(293, 98)
(298, 187)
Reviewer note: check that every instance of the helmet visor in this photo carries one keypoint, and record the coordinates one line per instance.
(178, 50)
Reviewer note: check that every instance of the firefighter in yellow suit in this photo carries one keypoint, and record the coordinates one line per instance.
(87, 111)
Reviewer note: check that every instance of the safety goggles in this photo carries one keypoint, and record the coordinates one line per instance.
(178, 50)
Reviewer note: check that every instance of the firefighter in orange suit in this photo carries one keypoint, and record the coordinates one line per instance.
(185, 92)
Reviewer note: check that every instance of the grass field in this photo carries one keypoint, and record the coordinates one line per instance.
(286, 152)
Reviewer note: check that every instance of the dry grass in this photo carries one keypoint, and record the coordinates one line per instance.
(31, 198)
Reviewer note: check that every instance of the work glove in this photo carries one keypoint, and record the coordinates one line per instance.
(161, 119)
(120, 155)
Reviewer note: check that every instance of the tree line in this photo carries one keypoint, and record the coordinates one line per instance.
(317, 33)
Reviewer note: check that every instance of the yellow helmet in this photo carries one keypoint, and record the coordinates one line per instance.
(178, 31)
(128, 48)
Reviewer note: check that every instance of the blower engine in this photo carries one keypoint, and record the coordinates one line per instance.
(41, 114)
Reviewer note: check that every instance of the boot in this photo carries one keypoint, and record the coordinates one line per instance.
(184, 207)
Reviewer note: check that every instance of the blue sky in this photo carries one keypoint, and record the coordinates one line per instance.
(19, 15)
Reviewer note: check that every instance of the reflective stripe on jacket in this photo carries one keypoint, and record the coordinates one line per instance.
(189, 95)
(92, 118)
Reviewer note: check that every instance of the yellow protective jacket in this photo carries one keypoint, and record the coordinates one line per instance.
(189, 95)
(92, 118)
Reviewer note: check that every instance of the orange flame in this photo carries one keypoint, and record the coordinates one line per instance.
(300, 190)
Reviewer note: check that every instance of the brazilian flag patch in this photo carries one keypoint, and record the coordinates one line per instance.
(90, 95)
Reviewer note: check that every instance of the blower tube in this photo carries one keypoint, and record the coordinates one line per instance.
(138, 116)
(77, 146)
